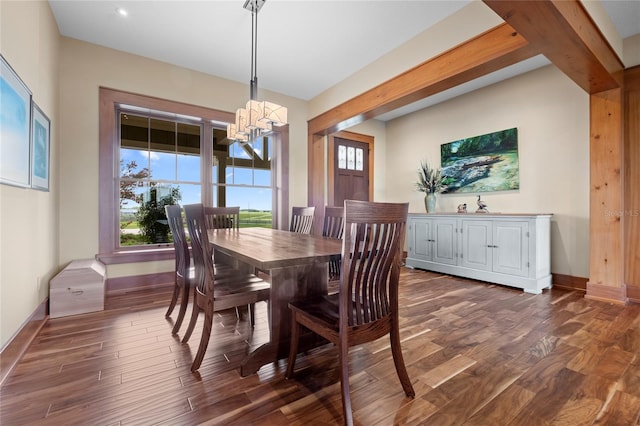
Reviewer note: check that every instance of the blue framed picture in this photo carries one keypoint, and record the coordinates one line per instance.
(40, 142)
(15, 122)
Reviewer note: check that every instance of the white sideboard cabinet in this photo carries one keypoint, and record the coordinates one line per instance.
(508, 249)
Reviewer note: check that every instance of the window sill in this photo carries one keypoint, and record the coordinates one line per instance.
(135, 256)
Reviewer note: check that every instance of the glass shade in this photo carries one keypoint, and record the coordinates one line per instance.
(232, 134)
(257, 119)
(241, 122)
(274, 114)
(255, 115)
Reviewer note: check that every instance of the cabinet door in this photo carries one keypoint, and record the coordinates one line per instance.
(445, 245)
(419, 245)
(476, 244)
(511, 247)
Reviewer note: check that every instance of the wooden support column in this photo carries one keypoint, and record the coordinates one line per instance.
(631, 183)
(606, 226)
(317, 176)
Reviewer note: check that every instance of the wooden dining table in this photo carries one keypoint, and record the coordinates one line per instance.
(298, 267)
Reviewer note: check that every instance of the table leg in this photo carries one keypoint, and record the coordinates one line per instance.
(287, 284)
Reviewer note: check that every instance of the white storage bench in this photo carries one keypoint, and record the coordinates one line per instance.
(77, 289)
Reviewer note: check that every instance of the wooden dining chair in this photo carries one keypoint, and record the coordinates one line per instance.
(215, 291)
(333, 227)
(366, 307)
(222, 217)
(302, 219)
(226, 218)
(183, 271)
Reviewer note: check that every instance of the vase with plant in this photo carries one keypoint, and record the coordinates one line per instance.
(430, 182)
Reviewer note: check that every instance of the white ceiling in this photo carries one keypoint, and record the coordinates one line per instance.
(304, 46)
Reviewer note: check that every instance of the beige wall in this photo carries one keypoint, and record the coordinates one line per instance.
(29, 252)
(632, 51)
(552, 117)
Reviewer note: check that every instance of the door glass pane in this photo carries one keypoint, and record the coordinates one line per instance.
(359, 154)
(342, 157)
(351, 158)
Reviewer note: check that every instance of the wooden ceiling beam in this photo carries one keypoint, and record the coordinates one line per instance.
(564, 32)
(491, 51)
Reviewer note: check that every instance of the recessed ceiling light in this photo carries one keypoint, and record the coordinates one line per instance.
(122, 11)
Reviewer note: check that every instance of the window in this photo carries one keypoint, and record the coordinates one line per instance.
(242, 177)
(159, 162)
(155, 152)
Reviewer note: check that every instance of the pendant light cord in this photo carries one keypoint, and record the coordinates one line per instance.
(254, 54)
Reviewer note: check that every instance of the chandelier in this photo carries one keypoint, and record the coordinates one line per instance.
(257, 118)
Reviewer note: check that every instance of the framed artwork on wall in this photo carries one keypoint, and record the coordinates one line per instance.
(40, 147)
(15, 122)
(483, 163)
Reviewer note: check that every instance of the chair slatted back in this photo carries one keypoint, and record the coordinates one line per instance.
(176, 226)
(302, 219)
(222, 217)
(371, 260)
(201, 249)
(333, 227)
(333, 224)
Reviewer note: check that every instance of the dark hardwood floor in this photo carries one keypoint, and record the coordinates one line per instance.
(477, 354)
